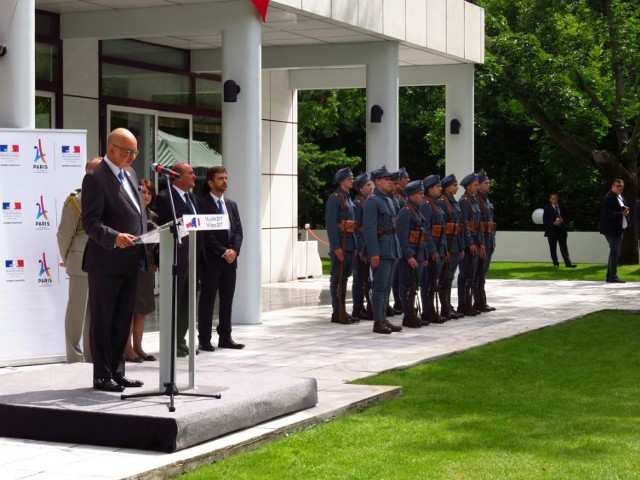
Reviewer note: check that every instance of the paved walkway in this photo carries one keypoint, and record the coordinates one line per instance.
(296, 338)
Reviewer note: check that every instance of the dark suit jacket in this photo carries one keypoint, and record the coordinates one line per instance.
(611, 216)
(549, 216)
(108, 210)
(165, 215)
(217, 241)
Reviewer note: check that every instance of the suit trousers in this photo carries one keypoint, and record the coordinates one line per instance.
(615, 243)
(77, 320)
(110, 321)
(564, 250)
(218, 277)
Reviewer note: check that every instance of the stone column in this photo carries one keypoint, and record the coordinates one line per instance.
(18, 65)
(241, 146)
(382, 91)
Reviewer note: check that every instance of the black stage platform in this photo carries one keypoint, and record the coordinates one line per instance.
(56, 403)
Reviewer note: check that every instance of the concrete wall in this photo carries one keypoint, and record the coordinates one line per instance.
(279, 188)
(584, 247)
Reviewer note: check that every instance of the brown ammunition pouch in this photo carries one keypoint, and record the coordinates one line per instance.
(347, 226)
(472, 226)
(488, 227)
(386, 231)
(416, 236)
(436, 231)
(450, 228)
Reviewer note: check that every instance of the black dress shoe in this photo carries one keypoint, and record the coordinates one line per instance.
(380, 327)
(571, 265)
(207, 347)
(389, 311)
(616, 280)
(229, 343)
(127, 382)
(107, 385)
(394, 328)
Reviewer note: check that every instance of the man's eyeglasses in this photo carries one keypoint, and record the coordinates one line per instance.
(129, 152)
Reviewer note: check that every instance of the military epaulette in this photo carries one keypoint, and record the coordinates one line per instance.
(73, 198)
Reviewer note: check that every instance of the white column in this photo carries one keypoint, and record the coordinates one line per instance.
(382, 90)
(459, 149)
(18, 66)
(241, 147)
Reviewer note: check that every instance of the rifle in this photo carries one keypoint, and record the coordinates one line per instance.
(343, 316)
(468, 308)
(444, 286)
(479, 281)
(410, 318)
(366, 287)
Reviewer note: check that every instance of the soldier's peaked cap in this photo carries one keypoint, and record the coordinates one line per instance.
(472, 177)
(342, 174)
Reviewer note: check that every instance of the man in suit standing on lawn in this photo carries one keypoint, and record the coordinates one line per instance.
(218, 271)
(113, 216)
(614, 220)
(555, 219)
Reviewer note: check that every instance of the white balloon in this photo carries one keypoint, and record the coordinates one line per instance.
(536, 216)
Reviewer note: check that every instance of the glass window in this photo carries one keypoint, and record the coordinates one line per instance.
(208, 93)
(135, 51)
(44, 111)
(46, 62)
(141, 84)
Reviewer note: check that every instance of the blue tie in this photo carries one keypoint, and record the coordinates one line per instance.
(221, 210)
(121, 176)
(189, 203)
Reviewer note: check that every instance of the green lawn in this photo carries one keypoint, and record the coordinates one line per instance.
(545, 271)
(559, 403)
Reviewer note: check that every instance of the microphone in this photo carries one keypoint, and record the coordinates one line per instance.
(156, 167)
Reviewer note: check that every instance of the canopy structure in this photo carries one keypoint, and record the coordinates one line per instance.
(172, 149)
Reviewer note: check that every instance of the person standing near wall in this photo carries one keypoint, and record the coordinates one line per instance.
(383, 248)
(614, 220)
(341, 230)
(488, 232)
(71, 243)
(556, 219)
(363, 186)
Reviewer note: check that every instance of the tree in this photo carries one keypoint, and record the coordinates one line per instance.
(572, 67)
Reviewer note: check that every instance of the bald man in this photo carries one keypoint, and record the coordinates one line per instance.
(112, 216)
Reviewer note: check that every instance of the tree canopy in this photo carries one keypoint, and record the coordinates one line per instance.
(570, 68)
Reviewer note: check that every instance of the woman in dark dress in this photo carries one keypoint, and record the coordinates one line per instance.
(145, 299)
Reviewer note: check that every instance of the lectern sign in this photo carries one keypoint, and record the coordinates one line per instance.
(206, 222)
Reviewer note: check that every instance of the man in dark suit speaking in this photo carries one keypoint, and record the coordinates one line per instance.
(112, 216)
(555, 219)
(218, 272)
(185, 204)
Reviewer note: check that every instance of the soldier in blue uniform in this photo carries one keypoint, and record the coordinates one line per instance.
(488, 232)
(455, 244)
(400, 180)
(413, 245)
(341, 230)
(383, 248)
(432, 211)
(473, 246)
(363, 186)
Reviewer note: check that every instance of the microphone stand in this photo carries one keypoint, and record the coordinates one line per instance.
(170, 387)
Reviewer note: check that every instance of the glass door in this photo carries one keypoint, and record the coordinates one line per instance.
(151, 128)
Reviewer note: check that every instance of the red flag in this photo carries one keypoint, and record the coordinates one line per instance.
(261, 5)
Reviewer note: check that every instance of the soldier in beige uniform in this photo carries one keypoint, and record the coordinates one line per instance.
(71, 242)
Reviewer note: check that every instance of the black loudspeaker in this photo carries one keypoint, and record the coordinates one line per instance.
(376, 114)
(230, 91)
